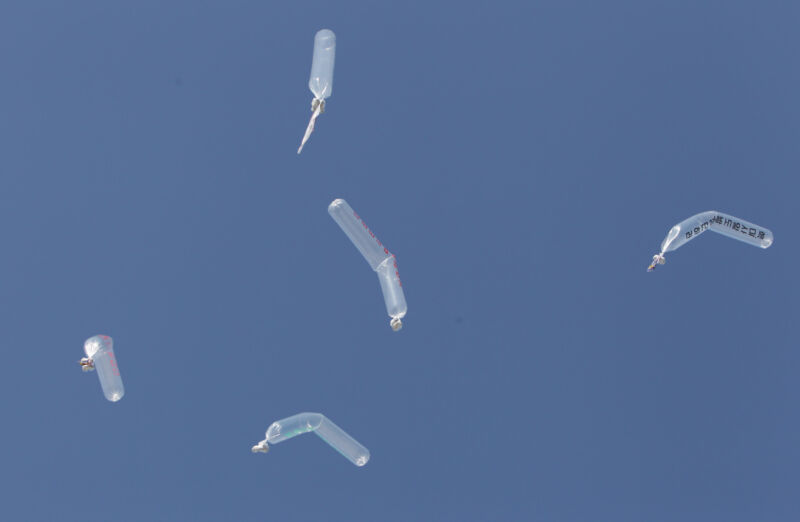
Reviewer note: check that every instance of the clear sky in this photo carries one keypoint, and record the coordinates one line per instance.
(523, 160)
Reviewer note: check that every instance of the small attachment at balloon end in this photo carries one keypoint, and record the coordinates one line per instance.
(317, 108)
(87, 364)
(658, 259)
(396, 323)
(261, 447)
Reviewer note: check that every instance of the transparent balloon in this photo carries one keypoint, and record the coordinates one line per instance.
(335, 436)
(378, 257)
(321, 80)
(719, 222)
(100, 356)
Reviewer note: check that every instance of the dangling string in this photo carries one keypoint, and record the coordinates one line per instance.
(318, 106)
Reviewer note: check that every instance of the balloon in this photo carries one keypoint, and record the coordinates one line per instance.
(378, 257)
(100, 356)
(724, 224)
(295, 425)
(321, 80)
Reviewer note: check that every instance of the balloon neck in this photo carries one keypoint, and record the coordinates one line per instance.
(658, 259)
(317, 108)
(396, 323)
(261, 447)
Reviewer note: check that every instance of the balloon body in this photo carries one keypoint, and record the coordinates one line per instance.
(100, 350)
(321, 80)
(719, 222)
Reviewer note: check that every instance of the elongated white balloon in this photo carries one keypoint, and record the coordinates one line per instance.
(719, 222)
(321, 80)
(378, 256)
(100, 356)
(295, 425)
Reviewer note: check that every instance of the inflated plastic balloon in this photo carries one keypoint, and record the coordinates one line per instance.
(301, 423)
(100, 356)
(378, 256)
(321, 79)
(724, 224)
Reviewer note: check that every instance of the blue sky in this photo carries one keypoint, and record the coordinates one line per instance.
(523, 160)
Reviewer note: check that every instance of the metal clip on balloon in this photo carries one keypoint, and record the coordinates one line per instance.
(100, 356)
(321, 80)
(378, 256)
(724, 224)
(301, 423)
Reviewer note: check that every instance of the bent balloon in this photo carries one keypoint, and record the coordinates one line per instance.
(383, 262)
(718, 222)
(325, 429)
